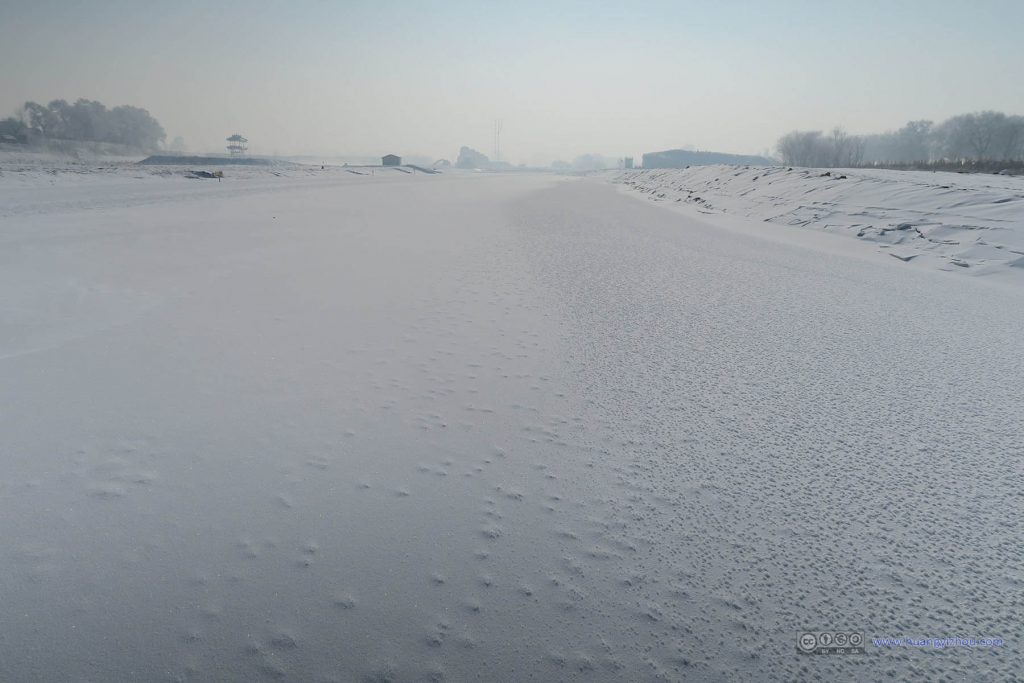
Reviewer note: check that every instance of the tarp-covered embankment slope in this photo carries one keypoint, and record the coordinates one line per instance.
(973, 224)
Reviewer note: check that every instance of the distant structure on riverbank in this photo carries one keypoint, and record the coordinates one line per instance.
(237, 145)
(391, 160)
(470, 158)
(681, 158)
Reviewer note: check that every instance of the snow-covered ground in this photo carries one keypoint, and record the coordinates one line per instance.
(319, 426)
(970, 223)
(29, 186)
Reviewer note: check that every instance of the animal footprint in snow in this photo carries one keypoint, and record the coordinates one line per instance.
(491, 531)
(115, 478)
(344, 601)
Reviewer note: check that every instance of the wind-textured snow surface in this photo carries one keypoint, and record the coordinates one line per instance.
(970, 223)
(332, 427)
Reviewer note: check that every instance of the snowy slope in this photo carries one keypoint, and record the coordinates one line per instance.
(973, 224)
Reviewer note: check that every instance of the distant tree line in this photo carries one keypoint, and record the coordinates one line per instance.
(84, 121)
(975, 140)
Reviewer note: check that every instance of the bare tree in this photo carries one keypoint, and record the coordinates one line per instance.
(812, 148)
(973, 136)
(987, 136)
(1018, 123)
(913, 141)
(984, 134)
(838, 141)
(1010, 140)
(855, 153)
(803, 148)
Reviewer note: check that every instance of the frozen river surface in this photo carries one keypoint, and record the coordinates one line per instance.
(489, 428)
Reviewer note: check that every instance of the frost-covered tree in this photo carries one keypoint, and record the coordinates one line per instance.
(1011, 138)
(804, 148)
(14, 128)
(844, 149)
(914, 141)
(982, 136)
(974, 136)
(91, 121)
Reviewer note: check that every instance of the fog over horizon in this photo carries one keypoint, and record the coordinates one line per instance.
(565, 78)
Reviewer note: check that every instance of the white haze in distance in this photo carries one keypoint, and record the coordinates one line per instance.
(566, 78)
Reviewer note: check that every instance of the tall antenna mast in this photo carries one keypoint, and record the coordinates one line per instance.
(497, 140)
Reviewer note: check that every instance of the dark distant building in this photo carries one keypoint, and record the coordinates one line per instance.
(470, 158)
(681, 158)
(391, 160)
(627, 162)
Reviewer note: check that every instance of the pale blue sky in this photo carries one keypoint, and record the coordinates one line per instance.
(565, 77)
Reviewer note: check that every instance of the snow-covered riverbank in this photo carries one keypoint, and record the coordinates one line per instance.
(973, 224)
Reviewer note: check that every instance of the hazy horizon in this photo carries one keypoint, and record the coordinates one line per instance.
(566, 78)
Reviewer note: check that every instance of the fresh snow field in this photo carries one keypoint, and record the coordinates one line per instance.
(311, 425)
